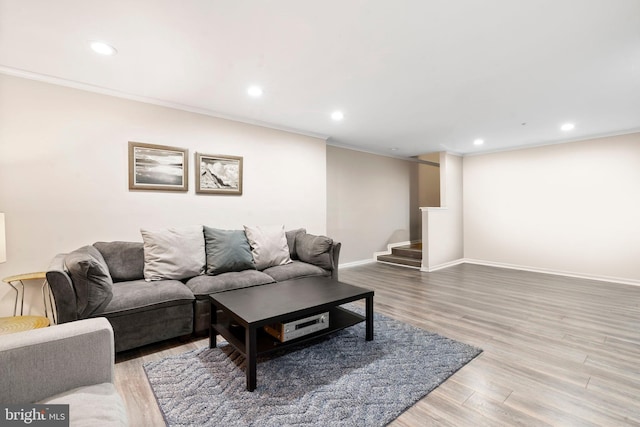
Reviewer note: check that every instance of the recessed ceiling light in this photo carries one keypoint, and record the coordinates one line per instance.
(337, 115)
(255, 91)
(478, 141)
(103, 49)
(394, 149)
(567, 126)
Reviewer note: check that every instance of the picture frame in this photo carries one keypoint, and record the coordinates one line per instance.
(218, 174)
(158, 167)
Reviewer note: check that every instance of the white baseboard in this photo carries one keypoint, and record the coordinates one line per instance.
(444, 265)
(356, 263)
(620, 280)
(399, 265)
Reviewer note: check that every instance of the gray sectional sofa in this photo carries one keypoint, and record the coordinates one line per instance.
(148, 294)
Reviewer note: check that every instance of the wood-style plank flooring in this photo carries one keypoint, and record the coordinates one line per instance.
(558, 351)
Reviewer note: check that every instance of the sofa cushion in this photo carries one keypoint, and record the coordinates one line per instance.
(291, 241)
(268, 246)
(94, 405)
(140, 295)
(315, 250)
(295, 270)
(124, 259)
(173, 253)
(91, 279)
(227, 250)
(205, 285)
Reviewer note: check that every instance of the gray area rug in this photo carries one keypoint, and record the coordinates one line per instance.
(341, 380)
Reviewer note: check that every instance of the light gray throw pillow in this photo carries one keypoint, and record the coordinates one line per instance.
(268, 246)
(173, 253)
(227, 250)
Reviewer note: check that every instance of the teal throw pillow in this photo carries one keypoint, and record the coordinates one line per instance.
(227, 250)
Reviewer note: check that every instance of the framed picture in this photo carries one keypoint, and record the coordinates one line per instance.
(158, 167)
(217, 174)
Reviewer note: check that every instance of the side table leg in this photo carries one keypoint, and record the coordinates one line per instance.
(369, 318)
(250, 344)
(22, 299)
(15, 304)
(44, 299)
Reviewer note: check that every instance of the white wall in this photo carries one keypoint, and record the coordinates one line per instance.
(64, 177)
(442, 231)
(572, 208)
(368, 202)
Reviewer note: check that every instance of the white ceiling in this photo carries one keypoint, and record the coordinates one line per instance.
(416, 75)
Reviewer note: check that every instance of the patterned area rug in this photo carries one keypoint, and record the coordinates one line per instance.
(341, 380)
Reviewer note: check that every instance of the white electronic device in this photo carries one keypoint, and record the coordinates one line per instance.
(298, 328)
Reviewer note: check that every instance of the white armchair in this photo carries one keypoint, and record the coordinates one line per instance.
(71, 363)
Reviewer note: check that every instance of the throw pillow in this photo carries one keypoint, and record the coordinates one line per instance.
(91, 279)
(227, 250)
(291, 241)
(315, 250)
(173, 253)
(268, 246)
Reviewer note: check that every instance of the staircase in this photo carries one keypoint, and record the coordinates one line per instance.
(405, 256)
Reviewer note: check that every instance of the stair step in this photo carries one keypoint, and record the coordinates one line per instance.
(407, 252)
(394, 259)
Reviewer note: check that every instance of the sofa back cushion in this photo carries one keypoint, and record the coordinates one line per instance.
(173, 253)
(91, 280)
(227, 250)
(315, 250)
(124, 259)
(291, 241)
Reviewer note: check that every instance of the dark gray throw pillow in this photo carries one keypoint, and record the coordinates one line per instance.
(291, 241)
(91, 280)
(314, 250)
(227, 250)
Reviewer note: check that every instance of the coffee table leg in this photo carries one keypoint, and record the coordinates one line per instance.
(212, 331)
(250, 344)
(369, 319)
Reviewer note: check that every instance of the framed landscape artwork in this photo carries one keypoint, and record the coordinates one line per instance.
(158, 167)
(216, 174)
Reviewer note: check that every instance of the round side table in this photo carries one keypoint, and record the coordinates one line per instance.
(9, 325)
(19, 280)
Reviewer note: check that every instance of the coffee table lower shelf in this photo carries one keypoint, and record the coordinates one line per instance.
(339, 318)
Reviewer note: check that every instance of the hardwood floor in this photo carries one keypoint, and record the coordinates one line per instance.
(557, 351)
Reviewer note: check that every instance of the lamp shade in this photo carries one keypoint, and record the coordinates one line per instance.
(3, 244)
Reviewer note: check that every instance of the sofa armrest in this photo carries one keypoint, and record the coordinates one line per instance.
(63, 291)
(44, 362)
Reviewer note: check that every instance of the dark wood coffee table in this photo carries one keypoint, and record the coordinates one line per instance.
(240, 315)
